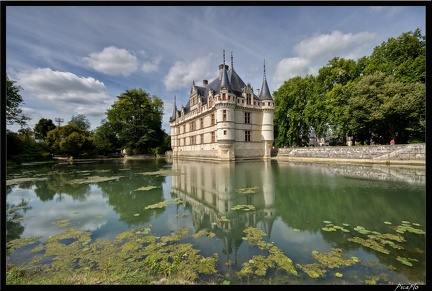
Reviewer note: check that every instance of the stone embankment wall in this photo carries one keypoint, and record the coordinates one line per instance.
(410, 154)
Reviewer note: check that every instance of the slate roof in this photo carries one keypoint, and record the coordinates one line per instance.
(232, 80)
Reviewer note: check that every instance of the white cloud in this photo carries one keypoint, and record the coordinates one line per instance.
(68, 93)
(182, 74)
(113, 61)
(55, 86)
(152, 66)
(324, 47)
(290, 68)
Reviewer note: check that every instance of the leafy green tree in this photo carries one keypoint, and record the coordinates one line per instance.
(81, 121)
(403, 57)
(333, 80)
(70, 140)
(105, 139)
(136, 118)
(291, 125)
(382, 104)
(22, 147)
(14, 99)
(42, 127)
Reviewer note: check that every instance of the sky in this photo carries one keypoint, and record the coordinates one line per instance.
(77, 59)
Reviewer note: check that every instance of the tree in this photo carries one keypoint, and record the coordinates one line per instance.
(334, 80)
(105, 139)
(81, 121)
(292, 126)
(403, 57)
(70, 140)
(136, 118)
(14, 99)
(42, 127)
(388, 107)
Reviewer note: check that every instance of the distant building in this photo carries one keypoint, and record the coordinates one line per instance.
(224, 120)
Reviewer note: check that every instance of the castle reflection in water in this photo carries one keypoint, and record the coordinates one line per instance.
(214, 188)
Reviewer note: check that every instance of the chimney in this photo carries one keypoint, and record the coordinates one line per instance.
(258, 92)
(205, 82)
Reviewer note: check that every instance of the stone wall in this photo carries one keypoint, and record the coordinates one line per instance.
(414, 154)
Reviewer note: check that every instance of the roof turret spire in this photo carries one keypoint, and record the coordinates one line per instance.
(232, 62)
(174, 114)
(224, 79)
(265, 91)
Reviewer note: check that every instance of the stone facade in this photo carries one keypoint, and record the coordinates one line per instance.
(224, 120)
(408, 154)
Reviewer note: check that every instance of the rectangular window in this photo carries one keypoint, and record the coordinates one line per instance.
(202, 123)
(193, 140)
(202, 138)
(213, 119)
(247, 135)
(224, 115)
(184, 128)
(224, 132)
(248, 99)
(247, 117)
(213, 137)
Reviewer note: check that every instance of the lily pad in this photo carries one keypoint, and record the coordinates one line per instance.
(147, 188)
(250, 190)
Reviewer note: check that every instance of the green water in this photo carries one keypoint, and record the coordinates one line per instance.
(301, 207)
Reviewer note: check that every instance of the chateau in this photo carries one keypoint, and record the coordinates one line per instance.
(224, 120)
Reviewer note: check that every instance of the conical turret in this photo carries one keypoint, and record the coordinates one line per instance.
(265, 91)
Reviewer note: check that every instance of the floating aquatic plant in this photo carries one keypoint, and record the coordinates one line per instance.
(147, 188)
(339, 275)
(243, 207)
(23, 180)
(164, 203)
(94, 179)
(203, 232)
(333, 259)
(61, 223)
(161, 204)
(370, 243)
(328, 229)
(314, 270)
(259, 264)
(162, 172)
(404, 261)
(250, 190)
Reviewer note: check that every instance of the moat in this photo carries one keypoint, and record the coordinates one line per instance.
(337, 224)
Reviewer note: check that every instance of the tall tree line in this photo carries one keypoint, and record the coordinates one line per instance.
(376, 98)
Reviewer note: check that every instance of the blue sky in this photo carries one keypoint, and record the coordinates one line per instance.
(78, 59)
